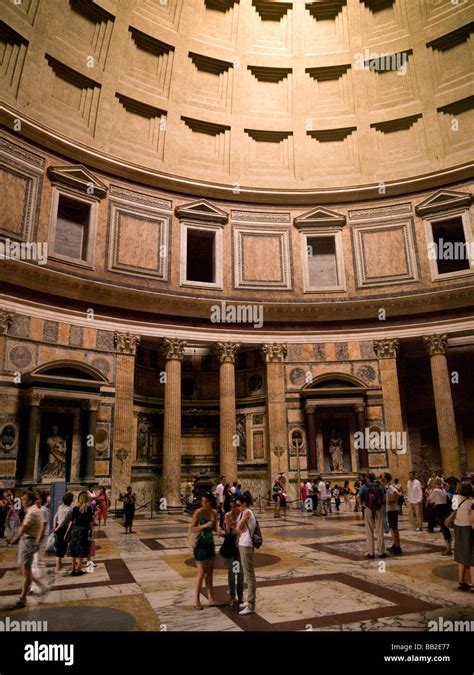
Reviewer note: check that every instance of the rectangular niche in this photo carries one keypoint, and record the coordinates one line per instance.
(160, 14)
(269, 153)
(86, 30)
(450, 236)
(333, 150)
(216, 22)
(22, 173)
(211, 83)
(326, 27)
(383, 21)
(450, 59)
(205, 145)
(270, 27)
(456, 122)
(323, 262)
(201, 255)
(72, 227)
(329, 91)
(138, 242)
(149, 65)
(139, 127)
(70, 96)
(13, 52)
(262, 257)
(269, 91)
(384, 252)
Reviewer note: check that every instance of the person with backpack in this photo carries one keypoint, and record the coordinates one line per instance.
(246, 529)
(372, 497)
(393, 511)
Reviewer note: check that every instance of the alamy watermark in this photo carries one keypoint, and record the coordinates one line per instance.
(8, 625)
(456, 626)
(230, 313)
(381, 440)
(24, 250)
(381, 62)
(451, 250)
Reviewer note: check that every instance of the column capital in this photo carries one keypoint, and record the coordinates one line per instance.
(227, 351)
(91, 404)
(173, 348)
(126, 343)
(6, 320)
(33, 399)
(275, 352)
(386, 348)
(310, 408)
(436, 344)
(360, 407)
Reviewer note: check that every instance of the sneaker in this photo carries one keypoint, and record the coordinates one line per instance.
(19, 604)
(246, 611)
(91, 563)
(243, 605)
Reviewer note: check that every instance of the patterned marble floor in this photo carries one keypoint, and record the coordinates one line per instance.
(312, 574)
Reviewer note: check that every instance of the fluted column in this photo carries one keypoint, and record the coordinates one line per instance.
(173, 349)
(91, 406)
(226, 353)
(275, 355)
(445, 419)
(386, 351)
(126, 345)
(311, 432)
(361, 424)
(33, 401)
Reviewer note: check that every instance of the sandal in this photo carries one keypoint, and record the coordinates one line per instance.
(463, 586)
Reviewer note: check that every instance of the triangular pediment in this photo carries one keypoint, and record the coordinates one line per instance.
(443, 200)
(202, 210)
(79, 178)
(320, 217)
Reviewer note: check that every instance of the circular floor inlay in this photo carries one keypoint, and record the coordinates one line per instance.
(260, 560)
(81, 618)
(449, 572)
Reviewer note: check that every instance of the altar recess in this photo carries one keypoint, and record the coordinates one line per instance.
(335, 407)
(61, 401)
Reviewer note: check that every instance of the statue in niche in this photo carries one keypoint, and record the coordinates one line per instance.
(241, 432)
(143, 441)
(336, 451)
(56, 466)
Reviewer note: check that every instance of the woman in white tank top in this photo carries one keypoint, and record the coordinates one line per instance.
(245, 529)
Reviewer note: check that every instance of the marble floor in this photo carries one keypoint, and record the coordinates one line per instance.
(312, 574)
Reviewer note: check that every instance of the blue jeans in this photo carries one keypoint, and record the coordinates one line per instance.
(233, 564)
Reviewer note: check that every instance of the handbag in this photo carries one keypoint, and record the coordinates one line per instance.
(228, 548)
(193, 538)
(449, 521)
(51, 543)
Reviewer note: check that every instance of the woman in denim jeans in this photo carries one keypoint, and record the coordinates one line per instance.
(245, 528)
(234, 566)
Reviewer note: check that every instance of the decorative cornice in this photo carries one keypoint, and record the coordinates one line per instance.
(126, 343)
(173, 348)
(436, 344)
(78, 177)
(387, 348)
(275, 352)
(202, 210)
(319, 217)
(6, 320)
(39, 133)
(227, 351)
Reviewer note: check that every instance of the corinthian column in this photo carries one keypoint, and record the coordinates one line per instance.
(173, 350)
(398, 458)
(226, 353)
(277, 435)
(445, 419)
(33, 401)
(126, 345)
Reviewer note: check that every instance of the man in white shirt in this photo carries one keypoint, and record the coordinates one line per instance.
(415, 501)
(322, 497)
(219, 495)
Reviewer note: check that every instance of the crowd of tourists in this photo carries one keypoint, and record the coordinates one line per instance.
(29, 524)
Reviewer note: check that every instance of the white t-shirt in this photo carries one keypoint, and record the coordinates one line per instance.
(391, 498)
(220, 493)
(415, 493)
(322, 490)
(45, 517)
(245, 537)
(309, 489)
